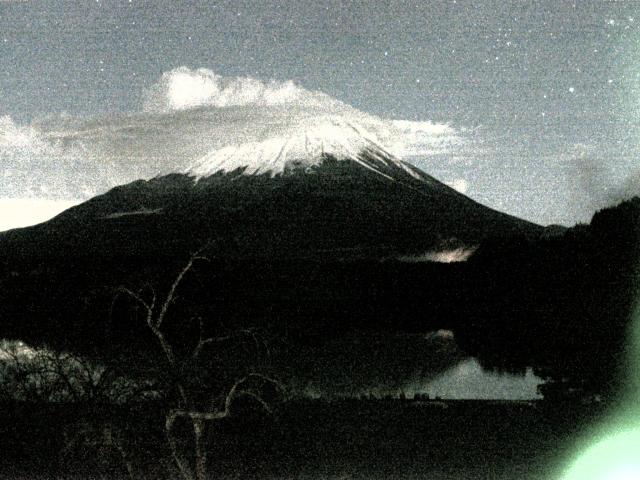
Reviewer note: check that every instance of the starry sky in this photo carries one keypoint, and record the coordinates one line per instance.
(546, 93)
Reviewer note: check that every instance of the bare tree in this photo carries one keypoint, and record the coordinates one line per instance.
(42, 376)
(155, 311)
(100, 438)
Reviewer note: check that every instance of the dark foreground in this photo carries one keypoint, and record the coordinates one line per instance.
(304, 439)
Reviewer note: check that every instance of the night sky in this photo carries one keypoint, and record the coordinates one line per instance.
(545, 95)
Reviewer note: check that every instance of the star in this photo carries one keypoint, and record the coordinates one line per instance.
(571, 89)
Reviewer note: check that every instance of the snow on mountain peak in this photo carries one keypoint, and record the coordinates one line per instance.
(302, 145)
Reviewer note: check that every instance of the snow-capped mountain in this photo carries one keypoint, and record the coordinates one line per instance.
(319, 189)
(188, 116)
(303, 146)
(283, 171)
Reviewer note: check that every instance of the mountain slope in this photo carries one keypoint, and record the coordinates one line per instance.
(334, 205)
(328, 191)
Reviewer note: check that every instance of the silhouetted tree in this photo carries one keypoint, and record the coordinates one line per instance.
(180, 362)
(562, 304)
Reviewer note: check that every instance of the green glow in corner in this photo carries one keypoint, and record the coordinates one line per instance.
(614, 458)
(616, 453)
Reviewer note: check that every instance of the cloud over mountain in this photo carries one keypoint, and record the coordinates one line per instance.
(183, 88)
(15, 138)
(425, 138)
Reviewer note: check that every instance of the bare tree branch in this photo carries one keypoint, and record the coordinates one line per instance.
(181, 463)
(170, 298)
(198, 418)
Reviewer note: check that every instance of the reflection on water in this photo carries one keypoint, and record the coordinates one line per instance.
(468, 380)
(406, 365)
(403, 365)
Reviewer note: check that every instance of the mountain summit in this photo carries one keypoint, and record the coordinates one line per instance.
(304, 146)
(189, 120)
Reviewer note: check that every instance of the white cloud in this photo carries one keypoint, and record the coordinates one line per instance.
(418, 139)
(21, 139)
(36, 164)
(183, 88)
